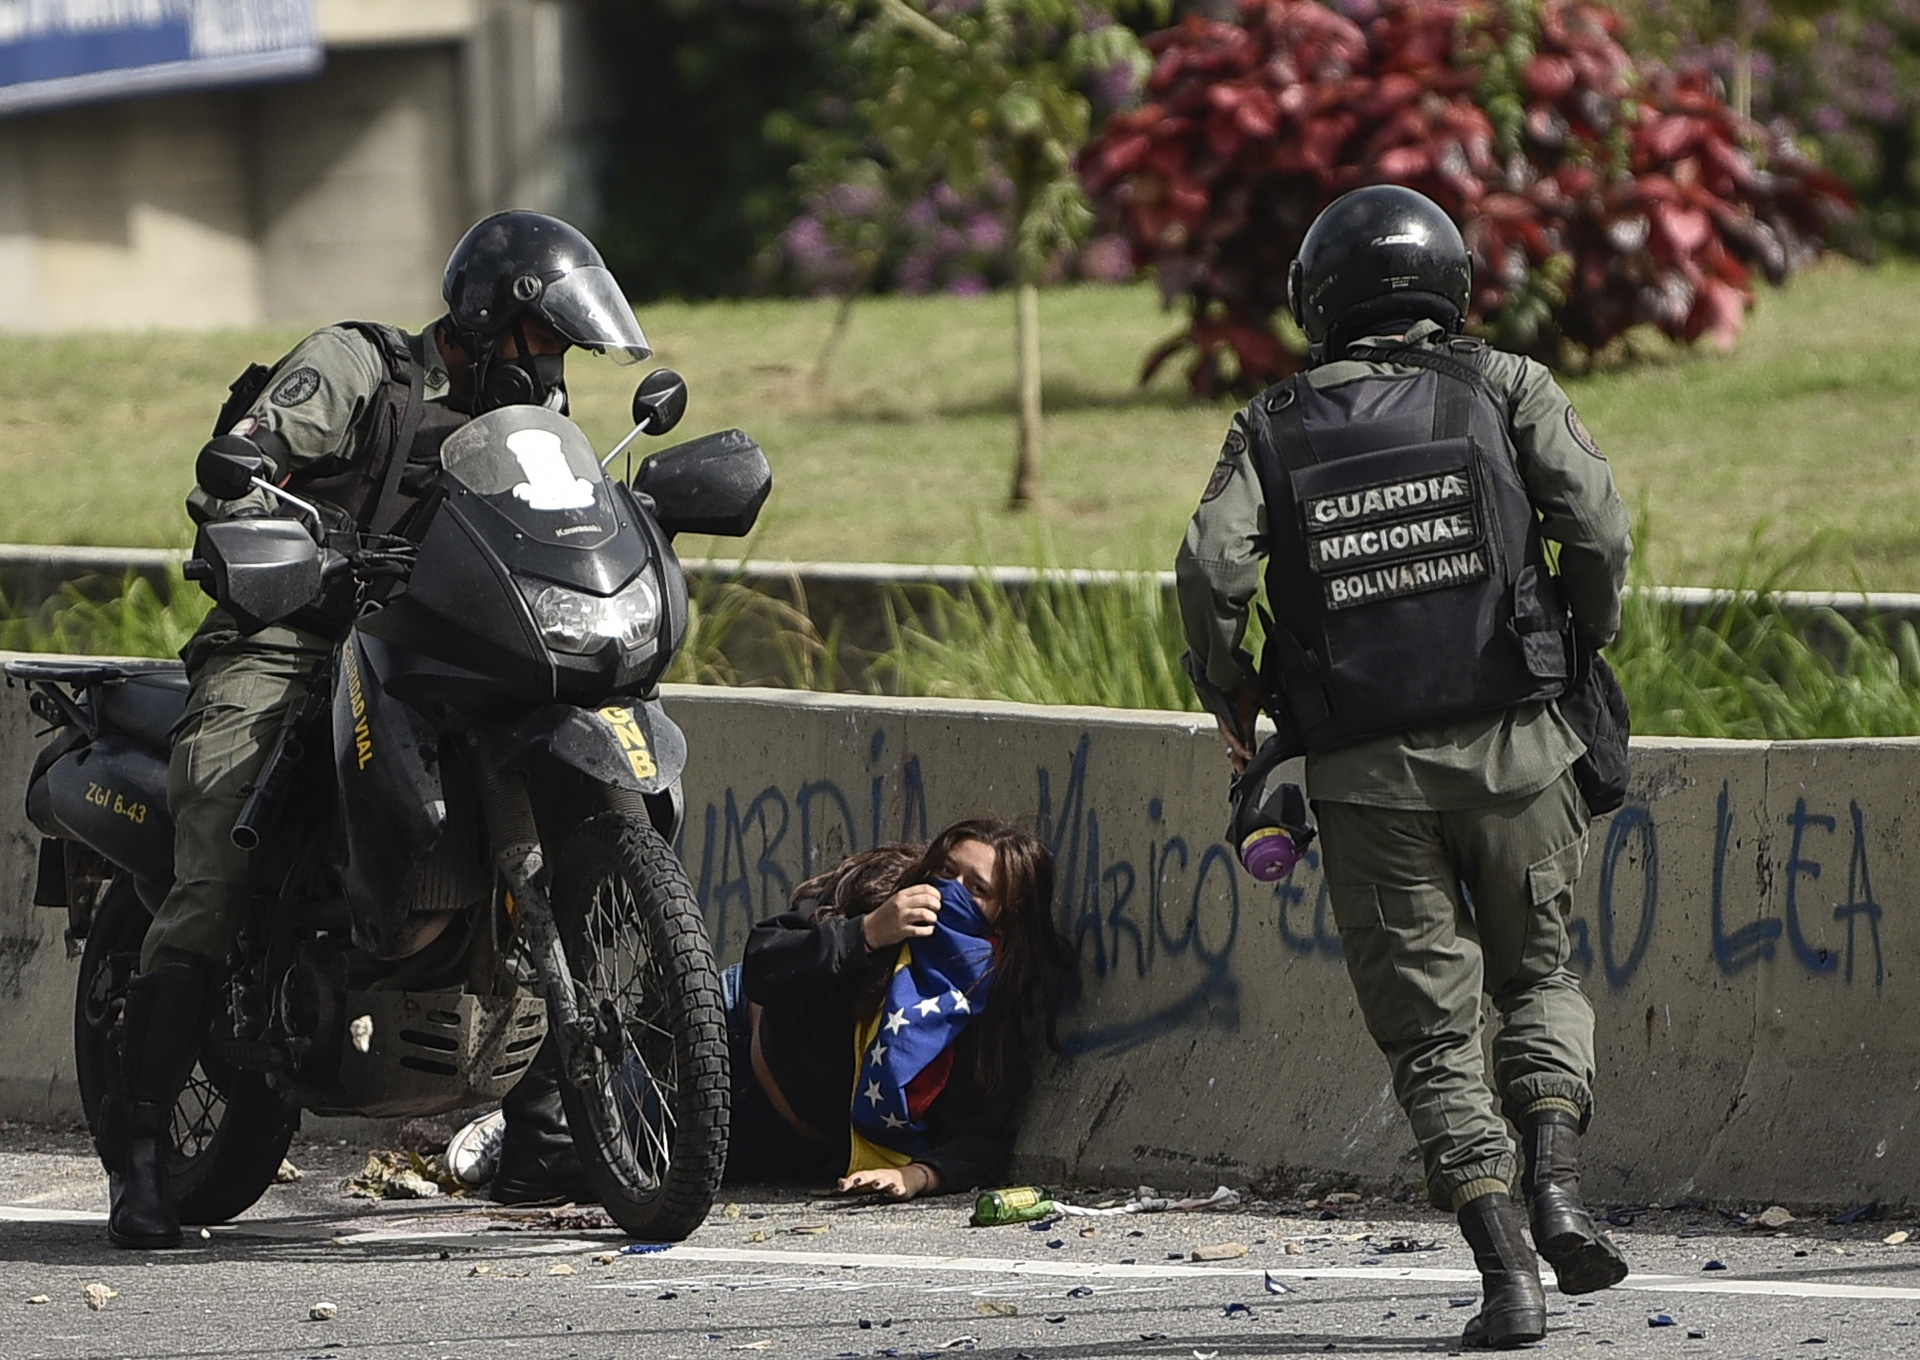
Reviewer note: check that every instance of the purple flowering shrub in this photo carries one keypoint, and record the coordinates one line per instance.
(1845, 80)
(941, 242)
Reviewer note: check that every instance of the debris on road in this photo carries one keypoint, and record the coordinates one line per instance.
(959, 1341)
(995, 1308)
(1403, 1244)
(1773, 1217)
(1894, 1239)
(97, 1296)
(403, 1175)
(1220, 1251)
(287, 1174)
(1239, 1310)
(562, 1269)
(1275, 1287)
(1714, 1265)
(1012, 1204)
(324, 1312)
(1659, 1320)
(428, 1137)
(605, 1258)
(41, 1298)
(1146, 1200)
(643, 1248)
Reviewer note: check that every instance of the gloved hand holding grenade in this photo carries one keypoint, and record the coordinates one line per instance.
(1269, 831)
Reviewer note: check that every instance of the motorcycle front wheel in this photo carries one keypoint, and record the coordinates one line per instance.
(651, 1124)
(230, 1131)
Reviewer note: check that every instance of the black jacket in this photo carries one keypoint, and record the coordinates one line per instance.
(808, 976)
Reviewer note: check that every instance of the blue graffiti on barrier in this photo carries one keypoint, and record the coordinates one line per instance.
(1737, 950)
(1172, 899)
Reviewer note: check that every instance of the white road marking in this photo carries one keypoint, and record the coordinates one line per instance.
(26, 1213)
(1096, 1270)
(537, 1243)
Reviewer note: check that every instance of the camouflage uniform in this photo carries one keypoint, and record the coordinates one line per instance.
(244, 687)
(1450, 852)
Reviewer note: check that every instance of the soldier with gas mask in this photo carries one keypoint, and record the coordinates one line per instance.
(350, 420)
(1399, 492)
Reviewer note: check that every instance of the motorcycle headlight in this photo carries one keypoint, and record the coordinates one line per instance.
(573, 621)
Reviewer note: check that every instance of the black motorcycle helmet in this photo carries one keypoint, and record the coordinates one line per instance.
(1382, 253)
(518, 265)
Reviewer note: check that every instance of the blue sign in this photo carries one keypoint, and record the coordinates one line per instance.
(56, 52)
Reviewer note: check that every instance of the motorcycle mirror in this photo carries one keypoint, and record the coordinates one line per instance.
(660, 401)
(227, 466)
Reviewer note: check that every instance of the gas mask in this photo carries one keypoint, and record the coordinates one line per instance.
(1269, 831)
(526, 380)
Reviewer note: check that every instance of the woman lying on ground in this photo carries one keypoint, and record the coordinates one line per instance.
(880, 1029)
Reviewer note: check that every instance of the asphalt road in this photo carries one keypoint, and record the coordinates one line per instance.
(783, 1274)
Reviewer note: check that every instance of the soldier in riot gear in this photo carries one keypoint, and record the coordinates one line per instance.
(1400, 491)
(351, 420)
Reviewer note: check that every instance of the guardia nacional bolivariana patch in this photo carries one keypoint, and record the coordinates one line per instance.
(1222, 474)
(296, 387)
(1581, 435)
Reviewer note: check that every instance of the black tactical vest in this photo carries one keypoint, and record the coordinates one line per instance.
(359, 489)
(356, 489)
(1405, 572)
(366, 493)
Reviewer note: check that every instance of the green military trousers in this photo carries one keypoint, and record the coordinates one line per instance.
(1437, 908)
(243, 689)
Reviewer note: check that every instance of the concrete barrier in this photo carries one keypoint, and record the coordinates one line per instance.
(1745, 925)
(846, 605)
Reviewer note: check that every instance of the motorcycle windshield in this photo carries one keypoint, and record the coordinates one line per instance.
(536, 469)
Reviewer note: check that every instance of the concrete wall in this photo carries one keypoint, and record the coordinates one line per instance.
(1745, 925)
(298, 202)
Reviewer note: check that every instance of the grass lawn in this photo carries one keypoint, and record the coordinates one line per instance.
(902, 451)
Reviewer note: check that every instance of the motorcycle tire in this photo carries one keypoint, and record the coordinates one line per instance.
(651, 1128)
(230, 1131)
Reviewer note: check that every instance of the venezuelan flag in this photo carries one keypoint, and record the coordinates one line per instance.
(904, 1053)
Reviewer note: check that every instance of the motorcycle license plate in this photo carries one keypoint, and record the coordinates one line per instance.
(632, 739)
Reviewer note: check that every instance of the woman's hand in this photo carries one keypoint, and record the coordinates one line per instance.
(908, 914)
(895, 1182)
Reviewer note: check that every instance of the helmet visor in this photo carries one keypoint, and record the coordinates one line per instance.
(585, 307)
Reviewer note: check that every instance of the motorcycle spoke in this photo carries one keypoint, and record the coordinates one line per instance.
(619, 977)
(196, 1114)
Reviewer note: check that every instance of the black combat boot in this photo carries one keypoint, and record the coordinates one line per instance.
(162, 1031)
(1582, 1256)
(1513, 1307)
(537, 1159)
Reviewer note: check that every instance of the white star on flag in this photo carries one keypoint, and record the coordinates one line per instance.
(872, 1092)
(931, 1006)
(893, 1121)
(960, 1000)
(877, 1054)
(896, 1020)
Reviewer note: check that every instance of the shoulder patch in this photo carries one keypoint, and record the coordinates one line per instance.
(1222, 474)
(296, 387)
(1581, 435)
(1236, 444)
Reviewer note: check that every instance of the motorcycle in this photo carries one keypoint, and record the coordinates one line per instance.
(460, 844)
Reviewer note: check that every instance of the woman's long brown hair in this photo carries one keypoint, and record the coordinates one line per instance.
(1033, 958)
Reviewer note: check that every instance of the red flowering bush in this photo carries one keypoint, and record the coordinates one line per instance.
(1593, 197)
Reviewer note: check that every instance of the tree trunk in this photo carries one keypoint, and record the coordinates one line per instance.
(1743, 71)
(1026, 465)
